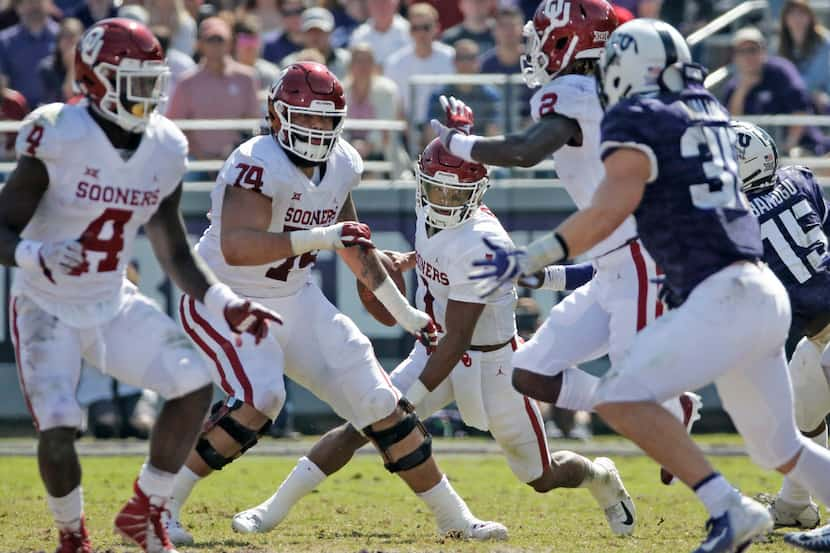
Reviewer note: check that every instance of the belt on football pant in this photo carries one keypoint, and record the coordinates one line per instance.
(484, 349)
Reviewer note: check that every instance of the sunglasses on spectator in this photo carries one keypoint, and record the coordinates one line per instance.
(214, 39)
(422, 28)
(292, 12)
(465, 57)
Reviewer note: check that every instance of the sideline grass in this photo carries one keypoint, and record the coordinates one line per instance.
(364, 508)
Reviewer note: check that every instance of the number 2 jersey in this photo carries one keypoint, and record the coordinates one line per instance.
(297, 203)
(693, 219)
(443, 262)
(97, 197)
(579, 167)
(794, 226)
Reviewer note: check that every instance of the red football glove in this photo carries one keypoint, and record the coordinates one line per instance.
(428, 336)
(355, 234)
(459, 114)
(244, 316)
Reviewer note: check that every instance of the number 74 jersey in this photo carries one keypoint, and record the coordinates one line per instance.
(262, 166)
(97, 197)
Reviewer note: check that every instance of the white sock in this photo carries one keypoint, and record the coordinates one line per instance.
(716, 493)
(791, 491)
(577, 391)
(450, 511)
(596, 478)
(812, 469)
(155, 483)
(67, 510)
(183, 486)
(304, 478)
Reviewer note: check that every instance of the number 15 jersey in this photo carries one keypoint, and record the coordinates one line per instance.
(97, 197)
(261, 165)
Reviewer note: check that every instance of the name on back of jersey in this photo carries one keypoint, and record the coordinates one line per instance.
(774, 198)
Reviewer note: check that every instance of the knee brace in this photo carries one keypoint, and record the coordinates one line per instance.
(386, 438)
(220, 415)
(811, 392)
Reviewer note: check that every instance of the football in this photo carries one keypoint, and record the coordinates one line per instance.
(371, 303)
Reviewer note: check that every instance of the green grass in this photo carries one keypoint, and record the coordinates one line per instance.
(364, 508)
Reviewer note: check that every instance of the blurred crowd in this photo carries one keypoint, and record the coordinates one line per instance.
(224, 54)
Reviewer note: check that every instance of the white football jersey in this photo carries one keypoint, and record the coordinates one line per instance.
(580, 167)
(96, 196)
(260, 164)
(444, 262)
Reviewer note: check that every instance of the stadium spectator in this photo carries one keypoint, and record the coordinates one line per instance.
(220, 88)
(449, 14)
(476, 25)
(770, 85)
(317, 24)
(806, 42)
(485, 100)
(649, 8)
(136, 12)
(248, 48)
(369, 96)
(267, 13)
(13, 107)
(504, 56)
(92, 11)
(25, 45)
(385, 30)
(178, 62)
(57, 72)
(173, 15)
(348, 16)
(290, 39)
(426, 56)
(310, 54)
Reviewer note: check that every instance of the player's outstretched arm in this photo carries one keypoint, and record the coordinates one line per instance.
(461, 319)
(522, 149)
(167, 234)
(19, 199)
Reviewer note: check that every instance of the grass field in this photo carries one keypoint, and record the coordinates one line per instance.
(364, 508)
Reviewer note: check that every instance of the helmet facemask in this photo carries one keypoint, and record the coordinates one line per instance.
(310, 144)
(446, 201)
(134, 90)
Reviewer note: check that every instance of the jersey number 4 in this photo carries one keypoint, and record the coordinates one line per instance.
(813, 240)
(109, 239)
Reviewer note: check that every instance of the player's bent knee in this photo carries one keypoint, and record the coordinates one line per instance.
(271, 401)
(242, 435)
(379, 404)
(811, 393)
(387, 439)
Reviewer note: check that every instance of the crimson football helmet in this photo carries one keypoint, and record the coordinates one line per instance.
(561, 32)
(449, 189)
(306, 88)
(119, 66)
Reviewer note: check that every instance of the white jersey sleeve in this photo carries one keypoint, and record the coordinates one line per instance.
(572, 96)
(245, 169)
(45, 130)
(173, 141)
(353, 163)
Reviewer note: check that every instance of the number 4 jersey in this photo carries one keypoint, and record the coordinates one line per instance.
(794, 225)
(262, 166)
(97, 197)
(693, 219)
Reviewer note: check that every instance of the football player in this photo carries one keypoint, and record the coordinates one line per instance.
(792, 212)
(562, 43)
(670, 159)
(278, 200)
(471, 364)
(87, 178)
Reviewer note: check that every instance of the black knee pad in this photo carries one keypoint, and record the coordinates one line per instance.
(245, 437)
(385, 439)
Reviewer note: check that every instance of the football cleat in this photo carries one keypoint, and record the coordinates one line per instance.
(140, 521)
(691, 404)
(177, 533)
(791, 515)
(734, 530)
(614, 499)
(812, 540)
(251, 521)
(75, 541)
(480, 530)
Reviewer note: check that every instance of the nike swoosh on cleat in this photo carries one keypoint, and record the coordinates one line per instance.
(629, 519)
(710, 545)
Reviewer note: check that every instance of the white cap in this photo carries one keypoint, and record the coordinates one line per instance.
(749, 34)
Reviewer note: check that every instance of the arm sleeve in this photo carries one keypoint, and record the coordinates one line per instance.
(622, 127)
(245, 170)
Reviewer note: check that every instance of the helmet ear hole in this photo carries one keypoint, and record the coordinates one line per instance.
(561, 43)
